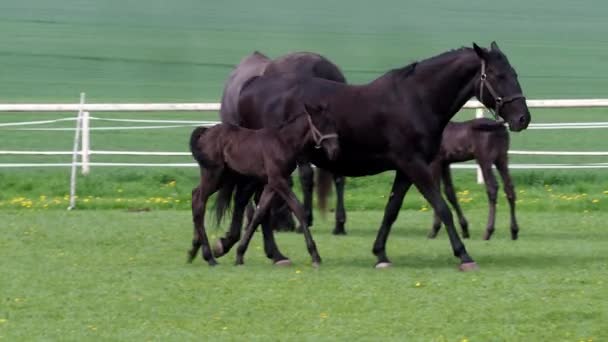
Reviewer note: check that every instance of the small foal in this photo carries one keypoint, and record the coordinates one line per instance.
(269, 155)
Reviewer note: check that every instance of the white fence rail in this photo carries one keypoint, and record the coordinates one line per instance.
(83, 126)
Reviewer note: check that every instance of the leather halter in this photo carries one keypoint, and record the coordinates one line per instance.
(499, 101)
(317, 136)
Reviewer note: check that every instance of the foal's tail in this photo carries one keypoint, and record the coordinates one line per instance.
(197, 154)
(223, 200)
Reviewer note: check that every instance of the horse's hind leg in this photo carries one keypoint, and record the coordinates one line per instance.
(503, 169)
(200, 195)
(492, 189)
(283, 190)
(259, 214)
(340, 211)
(450, 193)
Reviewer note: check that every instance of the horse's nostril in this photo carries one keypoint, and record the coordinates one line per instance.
(522, 119)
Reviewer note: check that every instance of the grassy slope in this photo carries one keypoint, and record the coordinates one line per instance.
(118, 275)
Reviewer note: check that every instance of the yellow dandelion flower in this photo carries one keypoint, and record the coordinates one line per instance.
(418, 284)
(606, 192)
(595, 200)
(3, 320)
(323, 315)
(298, 271)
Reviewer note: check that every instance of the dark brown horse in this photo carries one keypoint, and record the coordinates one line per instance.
(395, 122)
(302, 64)
(267, 155)
(486, 141)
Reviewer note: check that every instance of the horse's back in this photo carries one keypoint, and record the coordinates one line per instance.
(306, 64)
(249, 67)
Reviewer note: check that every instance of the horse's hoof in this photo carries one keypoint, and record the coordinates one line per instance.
(218, 249)
(283, 263)
(468, 266)
(316, 264)
(432, 236)
(212, 262)
(385, 264)
(190, 257)
(339, 232)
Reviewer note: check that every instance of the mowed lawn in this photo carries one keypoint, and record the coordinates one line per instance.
(117, 275)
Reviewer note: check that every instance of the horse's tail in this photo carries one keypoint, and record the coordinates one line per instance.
(223, 199)
(197, 154)
(324, 179)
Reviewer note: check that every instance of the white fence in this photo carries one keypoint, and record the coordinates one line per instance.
(83, 130)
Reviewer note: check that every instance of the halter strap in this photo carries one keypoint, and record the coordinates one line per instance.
(499, 101)
(317, 136)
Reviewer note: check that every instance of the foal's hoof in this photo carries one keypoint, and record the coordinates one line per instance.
(283, 263)
(316, 264)
(468, 267)
(218, 249)
(432, 235)
(212, 262)
(384, 264)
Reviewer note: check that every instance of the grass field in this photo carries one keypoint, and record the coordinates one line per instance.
(105, 273)
(113, 275)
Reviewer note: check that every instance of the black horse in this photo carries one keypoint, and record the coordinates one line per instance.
(302, 64)
(268, 156)
(486, 141)
(395, 123)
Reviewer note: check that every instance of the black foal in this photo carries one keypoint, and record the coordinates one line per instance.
(269, 156)
(486, 141)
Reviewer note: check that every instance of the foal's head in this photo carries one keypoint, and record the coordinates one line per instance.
(499, 88)
(323, 130)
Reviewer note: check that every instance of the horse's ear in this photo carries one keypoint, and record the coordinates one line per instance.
(494, 46)
(480, 51)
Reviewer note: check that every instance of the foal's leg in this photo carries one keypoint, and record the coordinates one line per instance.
(200, 195)
(492, 189)
(307, 183)
(503, 169)
(264, 205)
(420, 174)
(242, 196)
(400, 186)
(451, 196)
(270, 246)
(340, 212)
(290, 198)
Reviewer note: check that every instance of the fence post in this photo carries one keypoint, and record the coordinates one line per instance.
(479, 114)
(75, 155)
(86, 144)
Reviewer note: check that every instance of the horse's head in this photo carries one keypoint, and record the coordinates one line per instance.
(499, 89)
(323, 130)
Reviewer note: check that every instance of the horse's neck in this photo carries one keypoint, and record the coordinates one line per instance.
(295, 134)
(448, 85)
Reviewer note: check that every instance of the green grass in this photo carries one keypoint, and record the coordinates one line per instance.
(113, 275)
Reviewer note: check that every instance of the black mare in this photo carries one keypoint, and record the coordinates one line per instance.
(486, 141)
(301, 64)
(395, 123)
(267, 155)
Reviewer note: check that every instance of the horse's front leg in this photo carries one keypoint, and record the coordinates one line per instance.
(420, 174)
